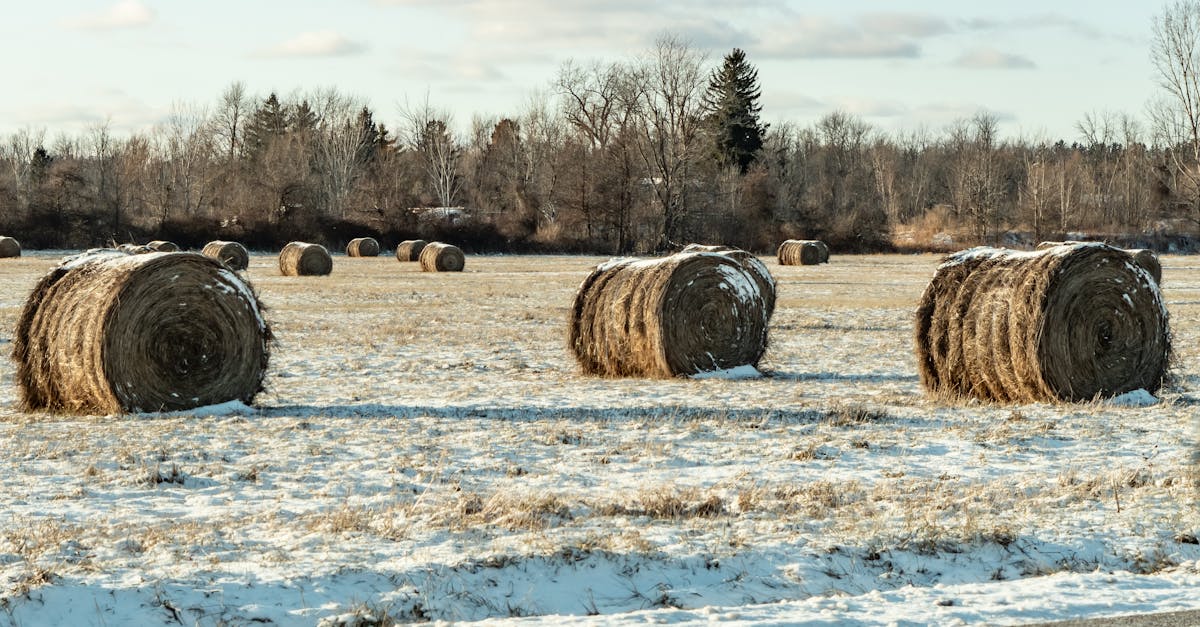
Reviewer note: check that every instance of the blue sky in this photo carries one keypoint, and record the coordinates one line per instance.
(1038, 66)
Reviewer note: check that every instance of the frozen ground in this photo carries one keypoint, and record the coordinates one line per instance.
(426, 450)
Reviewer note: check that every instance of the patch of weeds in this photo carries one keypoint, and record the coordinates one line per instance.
(853, 414)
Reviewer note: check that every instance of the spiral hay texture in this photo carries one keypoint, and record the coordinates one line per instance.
(679, 315)
(439, 257)
(1142, 256)
(108, 332)
(1069, 323)
(231, 254)
(751, 263)
(802, 252)
(9, 247)
(362, 247)
(410, 250)
(162, 246)
(304, 259)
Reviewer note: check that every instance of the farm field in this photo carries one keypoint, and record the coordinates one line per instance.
(426, 449)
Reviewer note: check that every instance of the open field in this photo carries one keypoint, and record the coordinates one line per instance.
(426, 449)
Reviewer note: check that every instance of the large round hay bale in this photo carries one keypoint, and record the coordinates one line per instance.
(108, 332)
(755, 266)
(679, 315)
(410, 250)
(362, 247)
(439, 257)
(1146, 258)
(231, 254)
(9, 247)
(304, 259)
(162, 246)
(1068, 323)
(802, 252)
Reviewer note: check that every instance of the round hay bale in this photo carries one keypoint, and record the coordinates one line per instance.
(410, 250)
(9, 247)
(1146, 258)
(802, 252)
(362, 247)
(304, 259)
(1068, 323)
(162, 246)
(439, 257)
(679, 315)
(231, 254)
(107, 332)
(752, 264)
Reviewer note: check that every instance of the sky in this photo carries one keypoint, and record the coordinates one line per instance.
(1038, 66)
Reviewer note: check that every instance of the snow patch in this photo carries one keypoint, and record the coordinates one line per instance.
(1136, 398)
(739, 372)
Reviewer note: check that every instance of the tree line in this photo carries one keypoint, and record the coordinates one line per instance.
(632, 156)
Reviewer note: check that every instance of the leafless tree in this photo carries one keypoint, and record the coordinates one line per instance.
(428, 132)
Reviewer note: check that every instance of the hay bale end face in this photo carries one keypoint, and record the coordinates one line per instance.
(304, 259)
(107, 332)
(439, 257)
(231, 254)
(9, 247)
(1068, 323)
(675, 316)
(752, 264)
(410, 250)
(802, 252)
(363, 247)
(162, 246)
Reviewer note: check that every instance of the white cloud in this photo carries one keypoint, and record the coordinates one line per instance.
(124, 14)
(316, 44)
(992, 59)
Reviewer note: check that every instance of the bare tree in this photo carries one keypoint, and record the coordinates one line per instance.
(1175, 52)
(18, 152)
(230, 117)
(189, 146)
(427, 132)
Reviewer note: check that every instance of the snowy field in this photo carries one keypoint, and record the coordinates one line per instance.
(427, 450)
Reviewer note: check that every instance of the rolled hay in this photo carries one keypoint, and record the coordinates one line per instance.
(1143, 256)
(304, 259)
(802, 252)
(231, 254)
(9, 247)
(162, 246)
(752, 264)
(1069, 323)
(674, 316)
(439, 257)
(410, 250)
(362, 247)
(107, 332)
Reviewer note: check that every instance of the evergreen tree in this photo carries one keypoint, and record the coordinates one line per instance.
(268, 123)
(731, 101)
(303, 119)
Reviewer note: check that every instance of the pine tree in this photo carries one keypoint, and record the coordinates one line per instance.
(268, 123)
(731, 101)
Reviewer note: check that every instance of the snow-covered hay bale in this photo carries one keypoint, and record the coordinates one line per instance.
(752, 264)
(410, 250)
(1148, 260)
(1068, 323)
(231, 254)
(678, 315)
(304, 259)
(802, 252)
(108, 332)
(439, 257)
(363, 247)
(9, 247)
(162, 246)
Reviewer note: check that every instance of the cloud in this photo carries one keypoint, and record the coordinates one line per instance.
(1047, 20)
(437, 67)
(316, 44)
(991, 59)
(124, 14)
(867, 36)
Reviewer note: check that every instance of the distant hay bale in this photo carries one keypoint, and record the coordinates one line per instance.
(231, 254)
(678, 315)
(9, 247)
(107, 332)
(1069, 323)
(363, 247)
(439, 257)
(410, 250)
(802, 252)
(757, 269)
(135, 249)
(162, 246)
(304, 259)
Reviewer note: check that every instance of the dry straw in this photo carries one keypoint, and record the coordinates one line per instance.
(410, 250)
(439, 257)
(362, 247)
(231, 254)
(108, 332)
(802, 252)
(752, 264)
(162, 246)
(9, 247)
(679, 315)
(304, 259)
(1068, 323)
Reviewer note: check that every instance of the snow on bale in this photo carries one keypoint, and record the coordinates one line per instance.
(135, 249)
(752, 264)
(162, 246)
(1144, 257)
(108, 332)
(231, 254)
(9, 247)
(802, 252)
(304, 259)
(675, 316)
(410, 250)
(363, 247)
(439, 257)
(1068, 323)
